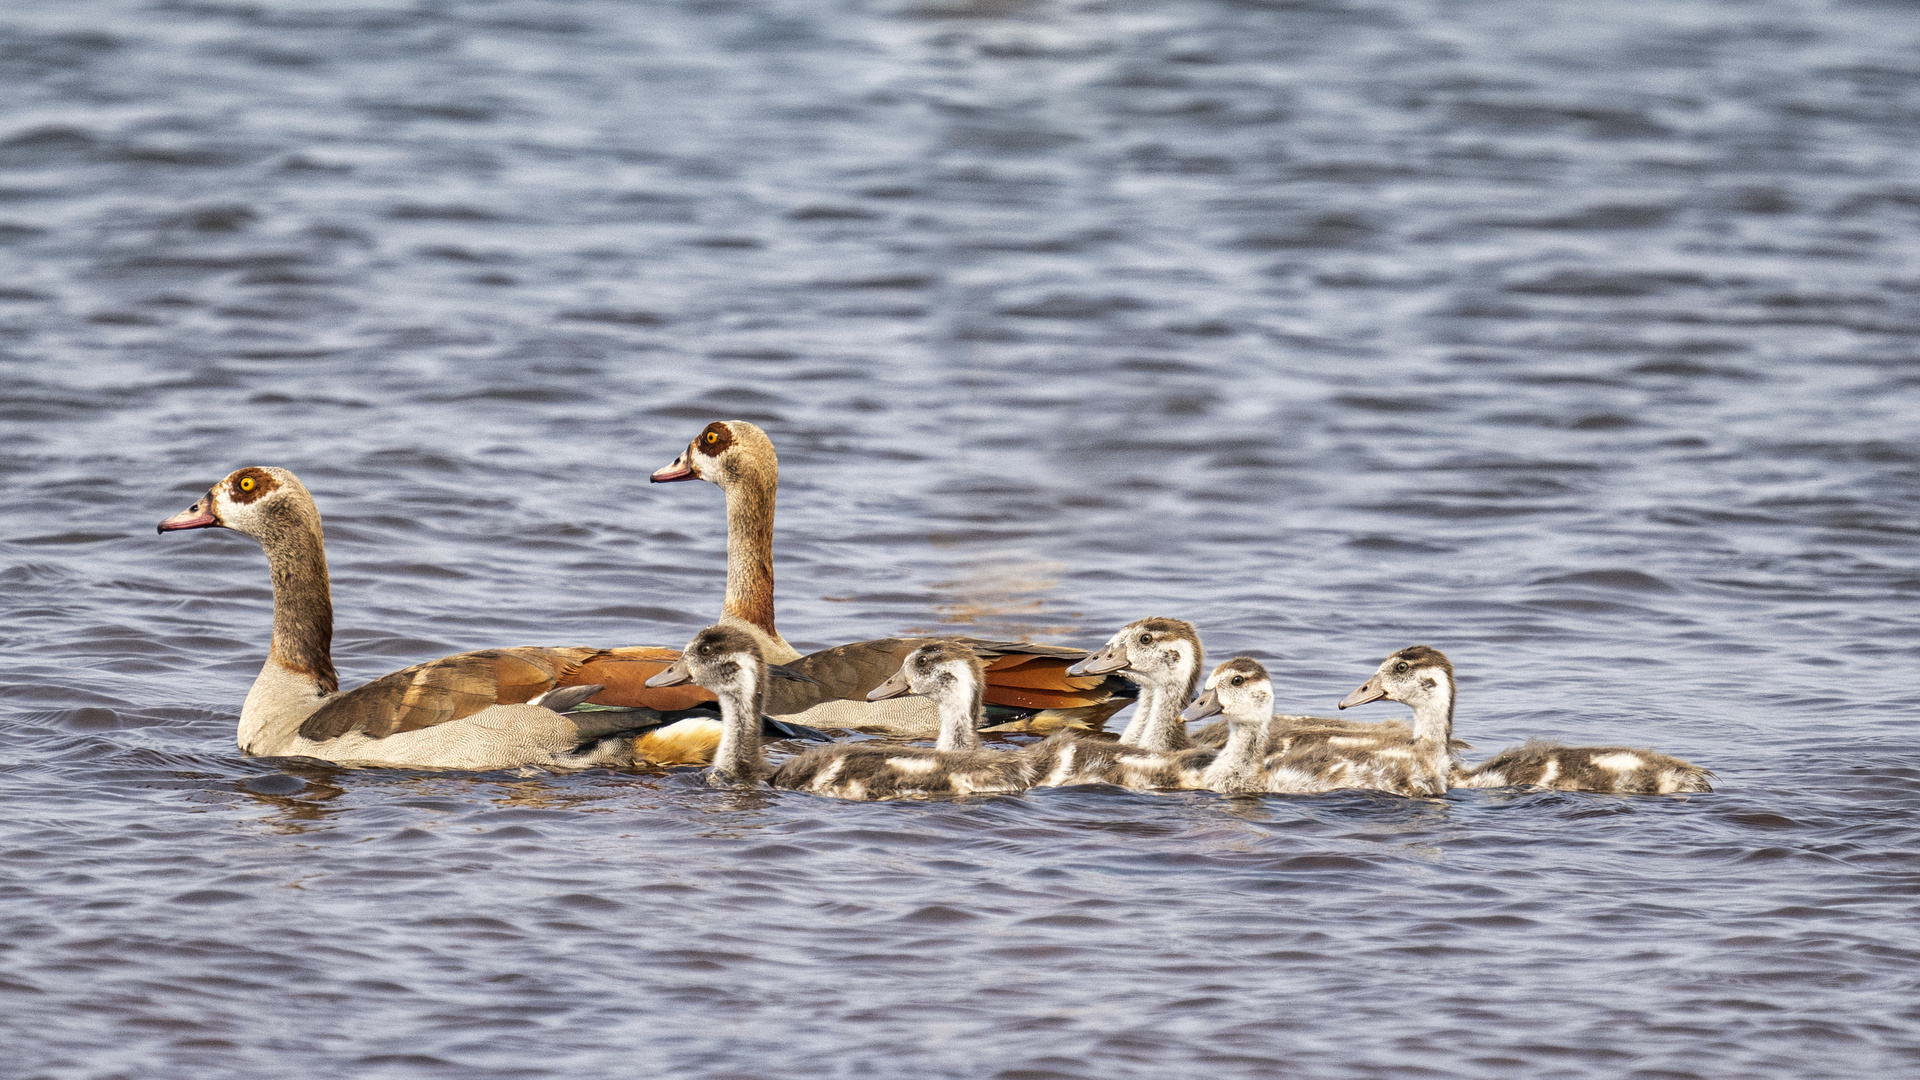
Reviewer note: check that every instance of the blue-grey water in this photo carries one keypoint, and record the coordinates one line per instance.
(1579, 340)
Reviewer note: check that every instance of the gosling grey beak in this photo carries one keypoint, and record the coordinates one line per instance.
(1371, 690)
(1106, 661)
(676, 675)
(1208, 705)
(895, 686)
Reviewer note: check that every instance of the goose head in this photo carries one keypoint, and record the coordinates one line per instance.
(262, 502)
(722, 658)
(1420, 676)
(727, 453)
(275, 508)
(940, 670)
(738, 458)
(1163, 653)
(1240, 688)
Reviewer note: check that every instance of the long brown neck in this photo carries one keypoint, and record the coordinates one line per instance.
(750, 498)
(302, 598)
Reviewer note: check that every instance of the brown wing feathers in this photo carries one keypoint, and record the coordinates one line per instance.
(440, 690)
(1042, 682)
(455, 687)
(1019, 675)
(625, 672)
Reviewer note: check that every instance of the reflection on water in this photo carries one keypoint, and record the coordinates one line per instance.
(299, 799)
(1576, 343)
(1000, 600)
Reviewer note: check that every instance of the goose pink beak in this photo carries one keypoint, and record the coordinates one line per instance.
(191, 518)
(681, 469)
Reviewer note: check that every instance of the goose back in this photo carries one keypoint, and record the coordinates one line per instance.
(899, 772)
(1617, 770)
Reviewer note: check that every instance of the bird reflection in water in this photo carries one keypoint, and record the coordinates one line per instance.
(737, 812)
(298, 795)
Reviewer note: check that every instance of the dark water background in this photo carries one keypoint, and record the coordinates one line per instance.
(1579, 340)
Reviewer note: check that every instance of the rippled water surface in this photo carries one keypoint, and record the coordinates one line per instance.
(1581, 341)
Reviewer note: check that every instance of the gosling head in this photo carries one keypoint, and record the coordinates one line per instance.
(722, 658)
(1240, 688)
(724, 453)
(1160, 652)
(1419, 675)
(261, 502)
(940, 670)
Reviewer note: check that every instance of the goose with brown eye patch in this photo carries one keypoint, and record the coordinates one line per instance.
(727, 660)
(1026, 684)
(1422, 677)
(493, 709)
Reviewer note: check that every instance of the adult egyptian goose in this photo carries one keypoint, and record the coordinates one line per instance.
(726, 659)
(1030, 679)
(1422, 677)
(494, 709)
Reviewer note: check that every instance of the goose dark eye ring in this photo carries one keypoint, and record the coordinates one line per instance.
(246, 483)
(1239, 680)
(712, 437)
(1146, 639)
(1400, 668)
